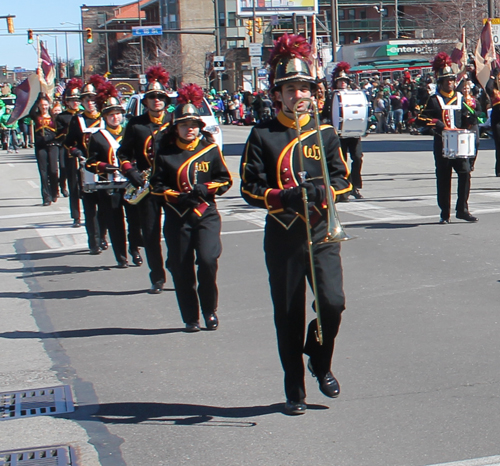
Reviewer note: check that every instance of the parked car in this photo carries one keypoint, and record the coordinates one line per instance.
(135, 108)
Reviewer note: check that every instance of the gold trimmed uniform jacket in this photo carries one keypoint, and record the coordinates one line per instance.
(101, 153)
(178, 167)
(137, 146)
(270, 164)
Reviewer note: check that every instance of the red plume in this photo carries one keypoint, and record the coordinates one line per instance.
(190, 93)
(157, 73)
(342, 66)
(290, 45)
(96, 80)
(440, 61)
(73, 83)
(104, 92)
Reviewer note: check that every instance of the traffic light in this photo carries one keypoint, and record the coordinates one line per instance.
(259, 24)
(249, 24)
(10, 24)
(90, 37)
(30, 36)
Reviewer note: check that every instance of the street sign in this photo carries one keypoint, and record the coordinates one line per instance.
(147, 31)
(142, 79)
(219, 63)
(255, 50)
(495, 30)
(255, 62)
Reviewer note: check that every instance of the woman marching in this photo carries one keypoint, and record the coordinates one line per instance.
(189, 170)
(46, 150)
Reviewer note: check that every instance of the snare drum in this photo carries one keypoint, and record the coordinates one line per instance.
(350, 113)
(93, 182)
(458, 143)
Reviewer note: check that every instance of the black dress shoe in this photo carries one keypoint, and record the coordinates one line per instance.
(294, 408)
(193, 327)
(357, 195)
(46, 203)
(328, 384)
(136, 257)
(156, 287)
(95, 251)
(444, 221)
(76, 223)
(65, 192)
(342, 198)
(211, 321)
(467, 217)
(122, 264)
(104, 244)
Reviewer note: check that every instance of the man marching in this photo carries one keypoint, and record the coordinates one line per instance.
(270, 180)
(102, 160)
(136, 162)
(444, 110)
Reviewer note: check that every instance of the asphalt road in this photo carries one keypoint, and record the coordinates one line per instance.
(417, 353)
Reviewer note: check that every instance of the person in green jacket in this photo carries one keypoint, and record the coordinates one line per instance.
(9, 132)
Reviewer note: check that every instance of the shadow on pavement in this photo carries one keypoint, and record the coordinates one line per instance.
(72, 294)
(175, 413)
(90, 332)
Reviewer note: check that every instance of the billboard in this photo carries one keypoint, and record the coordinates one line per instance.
(276, 7)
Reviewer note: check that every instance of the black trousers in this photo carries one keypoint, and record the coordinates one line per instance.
(95, 218)
(73, 182)
(444, 168)
(115, 208)
(62, 168)
(186, 236)
(495, 128)
(150, 219)
(353, 146)
(287, 260)
(46, 158)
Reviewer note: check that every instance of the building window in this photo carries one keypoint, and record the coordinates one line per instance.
(341, 14)
(231, 20)
(351, 13)
(222, 20)
(342, 39)
(362, 14)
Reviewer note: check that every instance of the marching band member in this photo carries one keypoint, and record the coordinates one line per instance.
(71, 99)
(81, 126)
(55, 111)
(189, 171)
(46, 150)
(136, 159)
(446, 109)
(270, 179)
(102, 160)
(341, 81)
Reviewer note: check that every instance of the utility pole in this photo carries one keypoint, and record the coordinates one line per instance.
(254, 39)
(334, 29)
(217, 42)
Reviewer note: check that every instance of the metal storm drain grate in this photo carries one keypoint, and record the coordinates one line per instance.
(38, 402)
(46, 456)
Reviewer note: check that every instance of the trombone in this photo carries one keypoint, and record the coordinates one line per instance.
(335, 230)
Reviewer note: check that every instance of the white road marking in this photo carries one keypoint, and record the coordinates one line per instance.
(11, 165)
(487, 461)
(32, 184)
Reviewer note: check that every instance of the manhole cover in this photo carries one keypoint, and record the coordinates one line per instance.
(42, 456)
(38, 402)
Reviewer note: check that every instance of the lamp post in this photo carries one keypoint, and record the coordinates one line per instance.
(217, 41)
(380, 10)
(80, 44)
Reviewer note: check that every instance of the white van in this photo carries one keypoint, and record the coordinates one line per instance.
(135, 108)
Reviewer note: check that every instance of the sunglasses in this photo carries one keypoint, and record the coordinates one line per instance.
(157, 96)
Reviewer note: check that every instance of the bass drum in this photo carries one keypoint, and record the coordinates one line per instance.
(350, 113)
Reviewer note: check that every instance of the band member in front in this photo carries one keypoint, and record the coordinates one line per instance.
(446, 109)
(71, 99)
(81, 126)
(136, 160)
(189, 171)
(102, 160)
(270, 179)
(341, 81)
(46, 150)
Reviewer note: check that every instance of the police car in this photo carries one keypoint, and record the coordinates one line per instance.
(135, 108)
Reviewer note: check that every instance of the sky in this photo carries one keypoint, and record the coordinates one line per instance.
(35, 14)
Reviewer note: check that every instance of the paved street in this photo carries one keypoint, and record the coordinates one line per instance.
(416, 357)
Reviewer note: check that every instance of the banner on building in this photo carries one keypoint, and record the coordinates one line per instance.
(276, 7)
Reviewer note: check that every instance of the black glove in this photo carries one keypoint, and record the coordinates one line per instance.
(315, 193)
(200, 190)
(187, 201)
(135, 178)
(110, 168)
(292, 199)
(76, 153)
